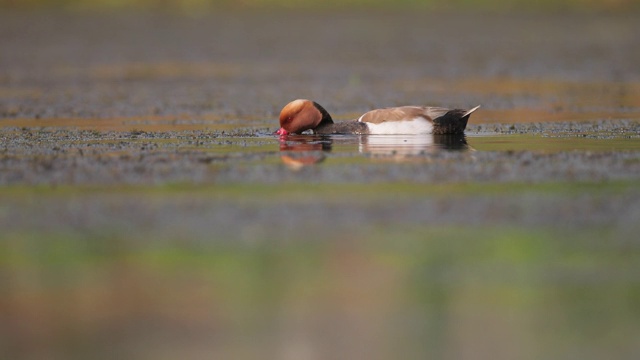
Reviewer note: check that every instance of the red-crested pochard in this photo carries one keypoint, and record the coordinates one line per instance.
(300, 115)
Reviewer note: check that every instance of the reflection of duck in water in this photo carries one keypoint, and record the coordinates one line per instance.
(301, 115)
(299, 151)
(401, 146)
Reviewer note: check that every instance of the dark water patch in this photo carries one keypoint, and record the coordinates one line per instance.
(622, 127)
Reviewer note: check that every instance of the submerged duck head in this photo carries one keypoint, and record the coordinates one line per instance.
(301, 115)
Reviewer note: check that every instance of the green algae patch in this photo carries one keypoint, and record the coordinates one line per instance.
(321, 192)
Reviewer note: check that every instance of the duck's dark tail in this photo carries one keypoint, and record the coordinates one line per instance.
(453, 122)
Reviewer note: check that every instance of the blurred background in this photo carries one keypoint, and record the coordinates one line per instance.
(207, 5)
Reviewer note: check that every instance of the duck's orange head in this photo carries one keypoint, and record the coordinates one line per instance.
(300, 115)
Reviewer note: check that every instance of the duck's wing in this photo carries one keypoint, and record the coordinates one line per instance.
(402, 113)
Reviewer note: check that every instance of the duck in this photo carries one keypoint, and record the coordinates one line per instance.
(301, 115)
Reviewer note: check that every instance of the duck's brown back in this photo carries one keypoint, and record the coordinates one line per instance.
(402, 113)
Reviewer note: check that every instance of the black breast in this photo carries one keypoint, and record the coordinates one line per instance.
(344, 127)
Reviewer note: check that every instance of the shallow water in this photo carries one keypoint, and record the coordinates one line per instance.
(412, 145)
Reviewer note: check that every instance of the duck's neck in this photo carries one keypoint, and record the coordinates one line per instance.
(326, 118)
(351, 127)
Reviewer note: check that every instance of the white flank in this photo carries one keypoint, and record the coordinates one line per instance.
(418, 125)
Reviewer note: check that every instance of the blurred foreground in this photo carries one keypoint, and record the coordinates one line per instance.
(287, 272)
